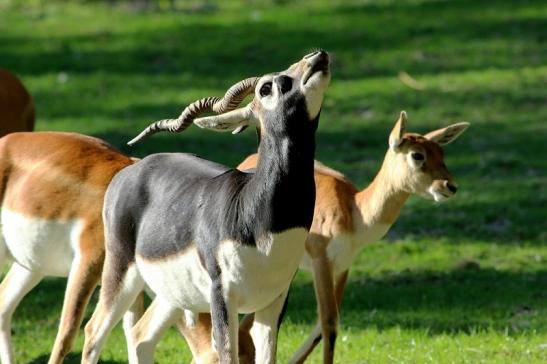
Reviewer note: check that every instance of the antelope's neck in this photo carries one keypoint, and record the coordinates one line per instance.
(284, 182)
(381, 202)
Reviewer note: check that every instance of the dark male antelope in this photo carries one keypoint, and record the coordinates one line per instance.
(52, 190)
(16, 106)
(206, 238)
(346, 219)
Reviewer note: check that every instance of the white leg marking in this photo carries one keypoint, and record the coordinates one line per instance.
(106, 317)
(130, 319)
(264, 330)
(150, 328)
(17, 283)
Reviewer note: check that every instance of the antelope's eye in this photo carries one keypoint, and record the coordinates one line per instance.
(417, 156)
(266, 89)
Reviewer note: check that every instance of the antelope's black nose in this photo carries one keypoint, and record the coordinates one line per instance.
(284, 82)
(451, 187)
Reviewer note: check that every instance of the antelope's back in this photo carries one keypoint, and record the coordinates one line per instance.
(56, 176)
(155, 203)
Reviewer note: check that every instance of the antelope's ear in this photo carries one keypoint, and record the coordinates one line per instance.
(234, 121)
(447, 135)
(396, 136)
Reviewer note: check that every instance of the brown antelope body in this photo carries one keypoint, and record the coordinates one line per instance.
(345, 219)
(16, 106)
(51, 192)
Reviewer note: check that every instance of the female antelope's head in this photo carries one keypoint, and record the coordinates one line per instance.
(278, 98)
(417, 161)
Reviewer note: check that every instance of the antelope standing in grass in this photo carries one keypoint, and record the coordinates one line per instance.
(346, 219)
(206, 238)
(16, 106)
(51, 192)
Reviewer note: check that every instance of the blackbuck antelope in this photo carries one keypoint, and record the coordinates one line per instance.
(52, 187)
(16, 106)
(346, 219)
(206, 238)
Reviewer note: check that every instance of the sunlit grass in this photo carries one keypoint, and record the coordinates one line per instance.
(459, 282)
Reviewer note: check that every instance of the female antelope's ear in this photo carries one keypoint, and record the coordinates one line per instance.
(447, 135)
(396, 136)
(234, 121)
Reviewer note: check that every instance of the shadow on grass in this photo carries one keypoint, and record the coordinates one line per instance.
(464, 300)
(467, 299)
(73, 358)
(360, 32)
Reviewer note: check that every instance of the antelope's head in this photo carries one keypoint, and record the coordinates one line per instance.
(280, 98)
(296, 92)
(417, 161)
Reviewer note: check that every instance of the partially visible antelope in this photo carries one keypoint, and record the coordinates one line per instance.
(206, 238)
(16, 106)
(51, 192)
(346, 219)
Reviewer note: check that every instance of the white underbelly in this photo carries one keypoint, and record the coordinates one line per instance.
(254, 277)
(41, 245)
(180, 280)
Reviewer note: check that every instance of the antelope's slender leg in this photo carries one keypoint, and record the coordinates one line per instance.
(315, 337)
(130, 319)
(265, 328)
(339, 287)
(83, 278)
(115, 299)
(17, 283)
(246, 345)
(225, 323)
(198, 337)
(150, 328)
(316, 246)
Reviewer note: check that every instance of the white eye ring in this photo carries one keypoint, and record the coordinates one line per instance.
(266, 89)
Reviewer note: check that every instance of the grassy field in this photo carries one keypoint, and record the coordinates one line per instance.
(460, 282)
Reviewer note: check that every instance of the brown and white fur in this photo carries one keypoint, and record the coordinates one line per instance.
(346, 219)
(51, 190)
(206, 238)
(16, 106)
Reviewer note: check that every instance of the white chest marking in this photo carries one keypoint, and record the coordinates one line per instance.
(253, 276)
(259, 275)
(41, 245)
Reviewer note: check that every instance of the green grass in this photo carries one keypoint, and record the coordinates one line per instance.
(460, 282)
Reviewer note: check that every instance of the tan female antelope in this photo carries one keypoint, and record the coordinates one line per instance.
(346, 219)
(16, 106)
(206, 238)
(52, 187)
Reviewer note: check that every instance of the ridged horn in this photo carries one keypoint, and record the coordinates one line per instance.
(231, 100)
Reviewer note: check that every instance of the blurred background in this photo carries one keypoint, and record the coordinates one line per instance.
(457, 282)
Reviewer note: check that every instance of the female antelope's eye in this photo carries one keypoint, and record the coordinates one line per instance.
(417, 156)
(266, 89)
